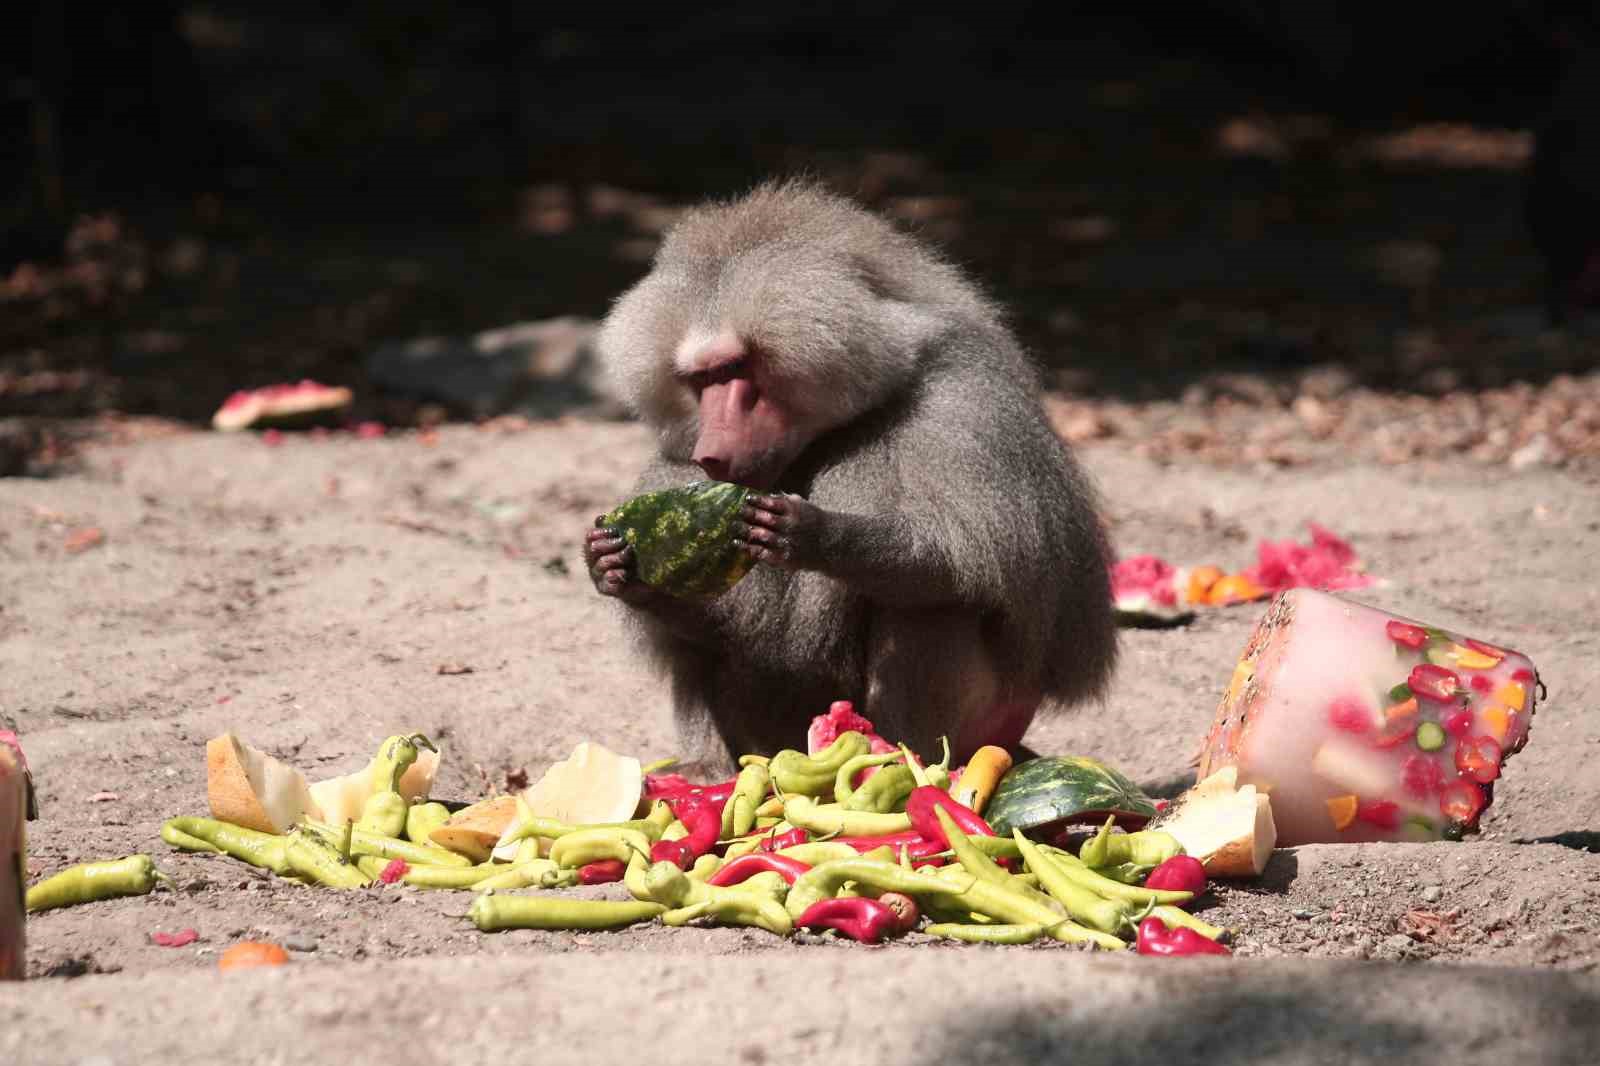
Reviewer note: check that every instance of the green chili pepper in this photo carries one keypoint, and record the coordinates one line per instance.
(431, 876)
(1148, 847)
(1093, 880)
(364, 842)
(987, 934)
(659, 818)
(824, 880)
(1011, 907)
(659, 765)
(844, 780)
(385, 811)
(753, 760)
(314, 859)
(736, 909)
(813, 775)
(884, 791)
(583, 846)
(492, 913)
(1178, 916)
(267, 851)
(134, 875)
(833, 820)
(1095, 911)
(424, 818)
(739, 812)
(982, 867)
(536, 873)
(531, 826)
(816, 852)
(705, 866)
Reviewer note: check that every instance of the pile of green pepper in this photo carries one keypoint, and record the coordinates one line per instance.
(795, 835)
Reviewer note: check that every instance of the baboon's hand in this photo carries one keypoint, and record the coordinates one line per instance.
(610, 561)
(781, 530)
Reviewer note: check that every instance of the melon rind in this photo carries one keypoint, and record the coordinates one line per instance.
(683, 538)
(1058, 787)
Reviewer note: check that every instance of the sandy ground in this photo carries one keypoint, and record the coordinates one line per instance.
(307, 594)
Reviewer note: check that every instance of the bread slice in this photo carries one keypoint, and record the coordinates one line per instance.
(474, 830)
(1229, 829)
(252, 789)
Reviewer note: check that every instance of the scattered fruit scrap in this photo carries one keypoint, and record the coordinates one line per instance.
(1146, 588)
(15, 807)
(304, 402)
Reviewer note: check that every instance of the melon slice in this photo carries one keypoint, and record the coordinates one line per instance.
(592, 785)
(1228, 828)
(280, 405)
(340, 799)
(252, 789)
(473, 831)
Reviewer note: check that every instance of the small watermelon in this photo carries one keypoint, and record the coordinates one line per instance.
(683, 538)
(1062, 788)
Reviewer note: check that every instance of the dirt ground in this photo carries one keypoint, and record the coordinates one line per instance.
(307, 594)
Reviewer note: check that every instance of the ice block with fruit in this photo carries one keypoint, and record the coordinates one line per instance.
(1362, 725)
(15, 803)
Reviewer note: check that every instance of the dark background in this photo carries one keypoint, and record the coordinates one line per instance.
(210, 196)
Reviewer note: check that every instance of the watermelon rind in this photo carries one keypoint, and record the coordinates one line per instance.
(1055, 788)
(682, 538)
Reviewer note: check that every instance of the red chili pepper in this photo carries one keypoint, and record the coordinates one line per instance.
(1385, 814)
(1405, 633)
(784, 840)
(1461, 801)
(678, 792)
(1394, 735)
(603, 872)
(1485, 649)
(747, 866)
(1524, 675)
(1458, 724)
(1434, 682)
(1421, 775)
(704, 819)
(857, 917)
(1478, 758)
(1155, 938)
(1181, 873)
(893, 840)
(926, 799)
(175, 940)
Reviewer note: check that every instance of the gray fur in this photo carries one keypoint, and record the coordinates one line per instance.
(965, 563)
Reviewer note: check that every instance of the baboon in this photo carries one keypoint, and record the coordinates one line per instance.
(926, 545)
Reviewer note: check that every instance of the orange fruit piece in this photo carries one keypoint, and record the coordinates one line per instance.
(1495, 720)
(1342, 809)
(1512, 694)
(1472, 659)
(1201, 578)
(1404, 709)
(1233, 588)
(251, 953)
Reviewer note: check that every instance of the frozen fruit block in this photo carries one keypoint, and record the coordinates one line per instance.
(1360, 725)
(14, 794)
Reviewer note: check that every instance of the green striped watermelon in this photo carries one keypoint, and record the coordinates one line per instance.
(682, 538)
(1061, 788)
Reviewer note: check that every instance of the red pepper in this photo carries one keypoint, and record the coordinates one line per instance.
(784, 840)
(1458, 724)
(747, 866)
(603, 872)
(1155, 938)
(1385, 814)
(703, 816)
(1434, 682)
(1405, 633)
(926, 799)
(857, 917)
(1181, 873)
(1478, 758)
(677, 791)
(893, 840)
(1461, 801)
